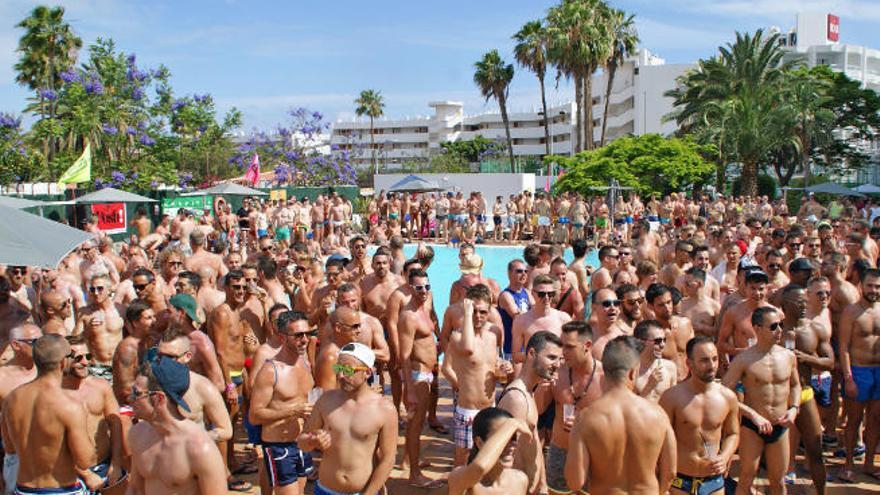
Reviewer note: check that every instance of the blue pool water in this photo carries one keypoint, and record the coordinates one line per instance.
(444, 270)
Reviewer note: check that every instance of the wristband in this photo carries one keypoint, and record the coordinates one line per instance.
(230, 387)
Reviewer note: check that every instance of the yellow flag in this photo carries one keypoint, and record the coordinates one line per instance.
(80, 171)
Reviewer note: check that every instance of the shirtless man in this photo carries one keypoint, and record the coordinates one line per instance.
(644, 458)
(705, 419)
(17, 371)
(203, 355)
(811, 343)
(569, 300)
(45, 427)
(670, 273)
(542, 316)
(772, 390)
(324, 298)
(578, 266)
(604, 320)
(471, 266)
(359, 266)
(700, 259)
(142, 224)
(472, 367)
(346, 325)
(171, 454)
(678, 329)
(377, 287)
(860, 366)
(736, 333)
(351, 425)
(579, 384)
(543, 356)
(279, 400)
(201, 257)
(656, 374)
(24, 294)
(103, 424)
(604, 275)
(55, 309)
(775, 263)
(631, 303)
(101, 322)
(418, 358)
(139, 320)
(699, 306)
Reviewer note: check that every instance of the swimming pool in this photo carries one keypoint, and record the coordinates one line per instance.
(444, 270)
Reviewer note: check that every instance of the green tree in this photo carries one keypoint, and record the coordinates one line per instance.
(371, 104)
(807, 98)
(530, 52)
(492, 75)
(649, 163)
(623, 44)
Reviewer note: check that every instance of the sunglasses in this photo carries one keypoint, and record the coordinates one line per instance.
(624, 253)
(543, 295)
(137, 394)
(18, 271)
(521, 271)
(299, 335)
(823, 293)
(775, 326)
(635, 302)
(795, 245)
(657, 341)
(29, 342)
(79, 357)
(238, 286)
(610, 302)
(94, 289)
(774, 266)
(140, 287)
(348, 370)
(355, 326)
(420, 288)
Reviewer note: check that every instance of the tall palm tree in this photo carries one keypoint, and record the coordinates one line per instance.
(492, 75)
(530, 52)
(48, 47)
(623, 44)
(806, 96)
(371, 104)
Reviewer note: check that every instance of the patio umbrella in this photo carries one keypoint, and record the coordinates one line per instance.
(110, 195)
(414, 183)
(30, 240)
(868, 189)
(833, 189)
(226, 189)
(18, 203)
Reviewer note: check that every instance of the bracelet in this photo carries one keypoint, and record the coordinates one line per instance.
(230, 387)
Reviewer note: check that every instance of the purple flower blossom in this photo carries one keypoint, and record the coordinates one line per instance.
(132, 59)
(184, 179)
(99, 184)
(142, 124)
(48, 94)
(178, 104)
(134, 176)
(8, 121)
(154, 184)
(131, 131)
(137, 94)
(69, 76)
(136, 75)
(201, 98)
(94, 87)
(147, 140)
(109, 129)
(117, 176)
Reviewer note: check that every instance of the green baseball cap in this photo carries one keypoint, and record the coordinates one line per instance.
(188, 304)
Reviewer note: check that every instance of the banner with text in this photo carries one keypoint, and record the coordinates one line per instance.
(195, 204)
(111, 217)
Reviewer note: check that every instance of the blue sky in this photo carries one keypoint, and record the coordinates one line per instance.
(264, 57)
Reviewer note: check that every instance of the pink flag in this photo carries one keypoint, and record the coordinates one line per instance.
(253, 173)
(547, 184)
(561, 173)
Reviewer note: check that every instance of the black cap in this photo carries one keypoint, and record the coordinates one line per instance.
(801, 264)
(756, 275)
(173, 378)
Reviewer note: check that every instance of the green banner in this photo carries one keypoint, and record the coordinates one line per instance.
(196, 204)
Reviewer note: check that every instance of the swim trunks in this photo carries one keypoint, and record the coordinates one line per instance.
(822, 389)
(104, 371)
(543, 221)
(563, 220)
(10, 471)
(806, 395)
(322, 490)
(75, 489)
(496, 219)
(262, 233)
(282, 233)
(867, 380)
(462, 426)
(696, 485)
(102, 469)
(285, 463)
(772, 437)
(556, 471)
(546, 419)
(422, 376)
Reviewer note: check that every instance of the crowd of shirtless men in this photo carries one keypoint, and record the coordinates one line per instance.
(710, 330)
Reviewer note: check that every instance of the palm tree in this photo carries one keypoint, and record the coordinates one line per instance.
(48, 47)
(623, 44)
(531, 52)
(493, 77)
(370, 103)
(806, 96)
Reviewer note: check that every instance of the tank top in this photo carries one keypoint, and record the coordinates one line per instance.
(521, 299)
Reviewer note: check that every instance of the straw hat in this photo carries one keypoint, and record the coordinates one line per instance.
(471, 264)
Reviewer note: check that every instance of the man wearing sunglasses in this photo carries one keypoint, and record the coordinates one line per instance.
(354, 428)
(542, 316)
(103, 424)
(24, 294)
(17, 371)
(55, 308)
(604, 319)
(323, 300)
(775, 263)
(372, 332)
(772, 392)
(40, 414)
(101, 322)
(347, 326)
(280, 400)
(656, 374)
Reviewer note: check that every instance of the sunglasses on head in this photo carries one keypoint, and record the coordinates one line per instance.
(349, 370)
(610, 302)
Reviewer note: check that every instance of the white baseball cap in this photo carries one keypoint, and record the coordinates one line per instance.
(363, 353)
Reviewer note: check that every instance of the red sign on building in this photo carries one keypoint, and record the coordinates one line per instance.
(833, 27)
(110, 217)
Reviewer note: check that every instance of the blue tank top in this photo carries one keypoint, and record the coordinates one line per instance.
(521, 299)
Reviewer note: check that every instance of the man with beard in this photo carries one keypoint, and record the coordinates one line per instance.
(678, 329)
(579, 385)
(24, 294)
(644, 457)
(360, 262)
(17, 371)
(543, 355)
(736, 331)
(656, 374)
(631, 301)
(471, 366)
(203, 355)
(700, 259)
(354, 427)
(541, 317)
(45, 427)
(860, 366)
(699, 307)
(603, 276)
(101, 322)
(170, 454)
(378, 286)
(705, 418)
(771, 391)
(569, 300)
(55, 308)
(103, 424)
(811, 344)
(280, 400)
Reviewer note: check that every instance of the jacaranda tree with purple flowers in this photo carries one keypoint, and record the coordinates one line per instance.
(17, 162)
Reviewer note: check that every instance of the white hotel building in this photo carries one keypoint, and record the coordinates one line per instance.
(637, 107)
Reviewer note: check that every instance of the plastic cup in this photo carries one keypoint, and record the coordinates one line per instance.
(314, 395)
(711, 449)
(568, 412)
